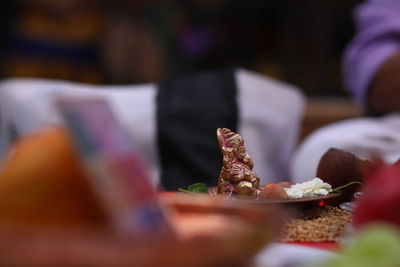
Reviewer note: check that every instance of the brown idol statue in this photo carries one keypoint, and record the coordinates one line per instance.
(237, 175)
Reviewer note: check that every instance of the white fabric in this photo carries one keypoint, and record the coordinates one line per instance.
(27, 104)
(270, 113)
(364, 137)
(280, 255)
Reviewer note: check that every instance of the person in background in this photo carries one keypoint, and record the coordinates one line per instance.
(89, 41)
(55, 39)
(371, 70)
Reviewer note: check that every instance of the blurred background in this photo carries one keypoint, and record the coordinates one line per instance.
(135, 41)
(139, 41)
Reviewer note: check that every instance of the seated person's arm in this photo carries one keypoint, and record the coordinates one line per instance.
(371, 60)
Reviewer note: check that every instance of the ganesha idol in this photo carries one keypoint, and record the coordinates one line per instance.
(237, 175)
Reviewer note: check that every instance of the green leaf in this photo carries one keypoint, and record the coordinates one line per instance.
(197, 188)
(375, 245)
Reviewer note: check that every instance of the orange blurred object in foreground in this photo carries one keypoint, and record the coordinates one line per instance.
(43, 183)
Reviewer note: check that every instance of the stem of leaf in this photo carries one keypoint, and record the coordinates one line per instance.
(184, 191)
(344, 186)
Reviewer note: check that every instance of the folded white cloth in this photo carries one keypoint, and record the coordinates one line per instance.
(269, 115)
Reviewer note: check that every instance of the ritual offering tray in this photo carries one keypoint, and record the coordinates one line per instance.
(297, 203)
(294, 204)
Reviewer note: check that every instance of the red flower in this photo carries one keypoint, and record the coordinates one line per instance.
(380, 201)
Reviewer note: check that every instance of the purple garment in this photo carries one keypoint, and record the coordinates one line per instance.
(377, 38)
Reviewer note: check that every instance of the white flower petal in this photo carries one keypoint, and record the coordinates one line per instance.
(313, 187)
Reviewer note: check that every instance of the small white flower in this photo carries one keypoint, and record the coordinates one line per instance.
(311, 188)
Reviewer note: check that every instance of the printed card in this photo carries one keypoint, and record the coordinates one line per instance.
(116, 171)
